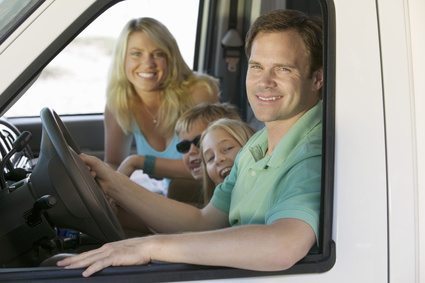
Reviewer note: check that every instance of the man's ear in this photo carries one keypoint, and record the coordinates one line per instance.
(317, 80)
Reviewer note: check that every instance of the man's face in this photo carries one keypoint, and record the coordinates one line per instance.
(279, 86)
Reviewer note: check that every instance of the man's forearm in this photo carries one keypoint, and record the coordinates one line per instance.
(257, 247)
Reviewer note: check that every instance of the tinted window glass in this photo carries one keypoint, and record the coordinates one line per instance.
(12, 13)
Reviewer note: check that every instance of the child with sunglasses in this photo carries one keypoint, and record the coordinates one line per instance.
(219, 145)
(190, 126)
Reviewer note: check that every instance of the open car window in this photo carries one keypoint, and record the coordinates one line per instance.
(74, 82)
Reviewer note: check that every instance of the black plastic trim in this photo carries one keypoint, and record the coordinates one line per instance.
(154, 272)
(327, 246)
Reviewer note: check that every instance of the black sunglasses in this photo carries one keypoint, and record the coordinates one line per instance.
(184, 145)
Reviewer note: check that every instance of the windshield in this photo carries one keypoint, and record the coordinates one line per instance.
(13, 13)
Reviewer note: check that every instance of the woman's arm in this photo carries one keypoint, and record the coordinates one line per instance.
(117, 143)
(166, 168)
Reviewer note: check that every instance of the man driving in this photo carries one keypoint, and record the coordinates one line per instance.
(265, 215)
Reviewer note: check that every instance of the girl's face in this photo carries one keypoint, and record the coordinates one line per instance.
(145, 64)
(219, 152)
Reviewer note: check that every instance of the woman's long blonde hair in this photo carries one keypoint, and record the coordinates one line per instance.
(239, 130)
(175, 95)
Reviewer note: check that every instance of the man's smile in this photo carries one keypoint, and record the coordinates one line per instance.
(269, 98)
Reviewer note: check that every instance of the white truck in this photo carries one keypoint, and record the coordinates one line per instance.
(373, 209)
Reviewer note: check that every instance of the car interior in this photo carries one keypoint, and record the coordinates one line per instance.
(51, 206)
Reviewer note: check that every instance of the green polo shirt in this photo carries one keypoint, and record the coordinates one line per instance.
(286, 184)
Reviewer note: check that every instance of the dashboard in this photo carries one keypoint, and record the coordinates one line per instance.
(17, 160)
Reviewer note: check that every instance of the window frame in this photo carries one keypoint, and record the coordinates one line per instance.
(19, 18)
(159, 271)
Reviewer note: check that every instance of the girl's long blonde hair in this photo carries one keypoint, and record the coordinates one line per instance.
(175, 94)
(239, 130)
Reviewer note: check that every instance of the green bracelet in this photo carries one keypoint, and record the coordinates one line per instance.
(149, 164)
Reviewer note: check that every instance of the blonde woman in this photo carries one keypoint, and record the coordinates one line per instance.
(220, 143)
(149, 88)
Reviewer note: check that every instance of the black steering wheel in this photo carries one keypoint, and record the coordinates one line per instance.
(80, 203)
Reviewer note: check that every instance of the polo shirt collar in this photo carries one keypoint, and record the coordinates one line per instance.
(298, 131)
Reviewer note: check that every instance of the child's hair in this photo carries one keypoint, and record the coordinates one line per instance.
(207, 113)
(239, 130)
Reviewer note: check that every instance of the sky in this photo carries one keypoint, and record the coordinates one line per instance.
(170, 12)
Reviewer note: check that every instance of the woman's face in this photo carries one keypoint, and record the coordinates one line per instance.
(219, 152)
(145, 64)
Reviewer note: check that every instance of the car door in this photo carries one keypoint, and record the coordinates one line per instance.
(211, 53)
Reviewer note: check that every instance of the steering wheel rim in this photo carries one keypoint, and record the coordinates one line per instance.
(82, 204)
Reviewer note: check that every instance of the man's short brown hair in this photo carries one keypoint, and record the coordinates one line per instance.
(309, 29)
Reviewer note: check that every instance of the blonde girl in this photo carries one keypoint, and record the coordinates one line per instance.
(220, 143)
